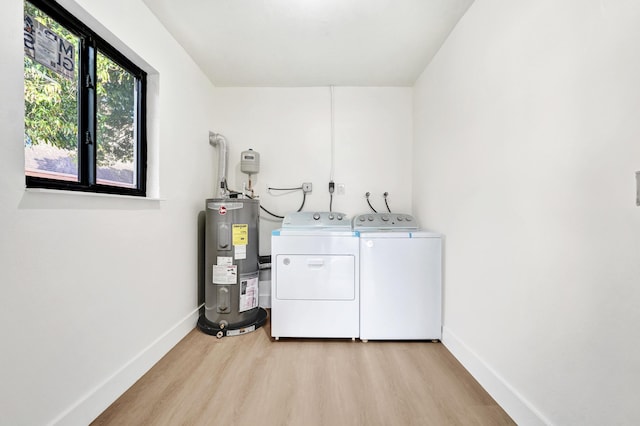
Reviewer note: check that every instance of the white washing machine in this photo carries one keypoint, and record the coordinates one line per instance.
(315, 280)
(400, 278)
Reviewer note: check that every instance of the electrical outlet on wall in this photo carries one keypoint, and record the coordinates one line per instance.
(340, 188)
(306, 187)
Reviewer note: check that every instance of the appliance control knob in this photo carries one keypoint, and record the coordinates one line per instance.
(400, 218)
(408, 218)
(385, 218)
(331, 216)
(316, 216)
(339, 217)
(370, 218)
(361, 218)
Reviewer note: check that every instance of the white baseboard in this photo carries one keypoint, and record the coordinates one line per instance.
(520, 410)
(85, 410)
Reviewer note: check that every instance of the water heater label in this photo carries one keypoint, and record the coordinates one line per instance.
(225, 274)
(240, 233)
(240, 252)
(225, 260)
(241, 331)
(248, 294)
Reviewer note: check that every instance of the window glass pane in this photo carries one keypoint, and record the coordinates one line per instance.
(116, 119)
(50, 97)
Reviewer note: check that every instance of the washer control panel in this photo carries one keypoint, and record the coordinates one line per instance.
(384, 221)
(316, 220)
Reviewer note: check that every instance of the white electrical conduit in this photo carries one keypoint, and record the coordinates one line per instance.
(216, 139)
(333, 145)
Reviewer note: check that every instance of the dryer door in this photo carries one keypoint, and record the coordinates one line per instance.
(315, 277)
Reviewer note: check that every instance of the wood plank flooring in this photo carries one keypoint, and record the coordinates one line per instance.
(254, 380)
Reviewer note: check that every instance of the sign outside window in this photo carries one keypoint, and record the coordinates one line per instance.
(48, 48)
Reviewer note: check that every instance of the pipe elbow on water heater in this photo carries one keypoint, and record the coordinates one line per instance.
(218, 140)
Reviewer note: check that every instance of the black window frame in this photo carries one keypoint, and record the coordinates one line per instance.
(90, 44)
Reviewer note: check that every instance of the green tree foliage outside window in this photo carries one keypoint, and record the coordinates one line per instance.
(116, 106)
(51, 103)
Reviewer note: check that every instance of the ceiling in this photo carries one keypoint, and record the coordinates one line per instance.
(310, 42)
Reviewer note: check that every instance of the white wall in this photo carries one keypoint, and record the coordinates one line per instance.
(291, 129)
(526, 143)
(95, 290)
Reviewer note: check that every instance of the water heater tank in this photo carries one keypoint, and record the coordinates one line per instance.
(231, 264)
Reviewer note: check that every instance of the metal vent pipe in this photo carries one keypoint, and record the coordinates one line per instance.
(217, 140)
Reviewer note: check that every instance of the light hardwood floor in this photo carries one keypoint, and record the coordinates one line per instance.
(254, 380)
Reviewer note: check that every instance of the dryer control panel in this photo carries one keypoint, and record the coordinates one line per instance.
(384, 221)
(315, 220)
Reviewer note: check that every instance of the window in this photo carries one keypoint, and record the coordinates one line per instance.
(84, 107)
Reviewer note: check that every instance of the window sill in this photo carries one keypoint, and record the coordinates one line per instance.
(92, 194)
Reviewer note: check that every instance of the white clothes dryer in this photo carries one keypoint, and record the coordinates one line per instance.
(400, 278)
(315, 279)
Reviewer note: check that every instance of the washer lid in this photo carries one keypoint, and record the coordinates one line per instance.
(385, 233)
